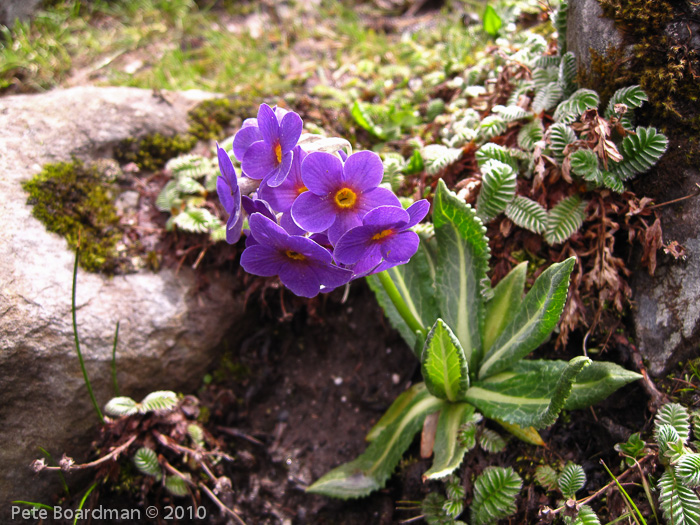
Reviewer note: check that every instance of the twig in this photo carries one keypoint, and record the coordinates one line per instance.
(219, 503)
(695, 194)
(237, 433)
(196, 454)
(111, 455)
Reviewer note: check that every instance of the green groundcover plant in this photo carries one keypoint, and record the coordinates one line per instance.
(318, 218)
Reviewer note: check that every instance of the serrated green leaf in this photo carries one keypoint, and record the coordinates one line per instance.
(530, 134)
(146, 460)
(525, 434)
(675, 415)
(579, 102)
(500, 310)
(437, 157)
(444, 364)
(632, 97)
(547, 97)
(564, 219)
(364, 120)
(196, 220)
(560, 135)
(498, 184)
(640, 152)
(495, 490)
(491, 151)
(370, 471)
(449, 452)
(490, 127)
(511, 113)
(688, 469)
(461, 266)
(584, 163)
(568, 71)
(160, 401)
(414, 281)
(188, 186)
(612, 181)
(547, 477)
(586, 516)
(176, 486)
(121, 406)
(535, 319)
(414, 164)
(491, 441)
(527, 214)
(532, 393)
(571, 480)
(680, 504)
(546, 61)
(542, 77)
(492, 23)
(560, 24)
(196, 434)
(168, 196)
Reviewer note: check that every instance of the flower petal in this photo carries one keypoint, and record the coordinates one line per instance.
(343, 222)
(279, 174)
(267, 232)
(418, 210)
(354, 245)
(290, 131)
(300, 279)
(400, 247)
(331, 276)
(313, 213)
(226, 167)
(244, 139)
(259, 160)
(262, 260)
(363, 170)
(225, 194)
(322, 173)
(289, 225)
(376, 197)
(383, 217)
(234, 228)
(268, 125)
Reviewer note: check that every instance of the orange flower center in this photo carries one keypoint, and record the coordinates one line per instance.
(295, 255)
(345, 198)
(301, 189)
(382, 234)
(278, 153)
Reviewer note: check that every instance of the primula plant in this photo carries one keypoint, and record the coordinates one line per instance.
(323, 219)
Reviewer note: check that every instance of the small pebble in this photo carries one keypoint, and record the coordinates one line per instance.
(395, 378)
(338, 381)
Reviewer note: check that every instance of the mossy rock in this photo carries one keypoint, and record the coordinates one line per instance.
(73, 200)
(153, 151)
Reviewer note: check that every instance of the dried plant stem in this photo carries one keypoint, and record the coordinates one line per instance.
(111, 455)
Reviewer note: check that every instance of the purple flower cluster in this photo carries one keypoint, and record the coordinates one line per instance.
(318, 220)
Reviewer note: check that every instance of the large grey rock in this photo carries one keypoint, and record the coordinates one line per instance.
(171, 323)
(588, 29)
(11, 10)
(667, 316)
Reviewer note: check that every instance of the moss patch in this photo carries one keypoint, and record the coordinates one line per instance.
(210, 119)
(71, 199)
(153, 151)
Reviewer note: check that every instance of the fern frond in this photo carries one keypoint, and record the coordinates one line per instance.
(121, 406)
(680, 504)
(527, 214)
(491, 151)
(147, 462)
(675, 415)
(547, 477)
(196, 220)
(491, 126)
(568, 70)
(547, 97)
(160, 401)
(529, 134)
(437, 157)
(571, 480)
(631, 96)
(167, 197)
(564, 219)
(495, 490)
(688, 469)
(573, 107)
(640, 152)
(511, 113)
(188, 186)
(491, 441)
(176, 486)
(559, 136)
(190, 166)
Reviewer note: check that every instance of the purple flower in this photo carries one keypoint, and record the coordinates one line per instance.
(246, 137)
(283, 196)
(229, 196)
(340, 195)
(302, 265)
(384, 235)
(270, 158)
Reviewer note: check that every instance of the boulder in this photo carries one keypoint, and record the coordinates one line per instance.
(11, 10)
(171, 322)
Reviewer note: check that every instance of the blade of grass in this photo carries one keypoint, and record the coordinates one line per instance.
(631, 503)
(82, 502)
(33, 504)
(77, 340)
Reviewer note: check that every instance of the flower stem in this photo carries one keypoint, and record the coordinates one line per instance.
(77, 341)
(399, 303)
